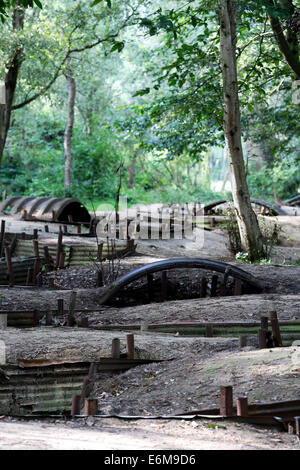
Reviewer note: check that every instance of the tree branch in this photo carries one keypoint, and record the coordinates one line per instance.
(109, 37)
(286, 49)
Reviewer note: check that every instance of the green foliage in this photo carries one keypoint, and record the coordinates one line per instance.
(270, 234)
(30, 169)
(153, 92)
(5, 5)
(283, 177)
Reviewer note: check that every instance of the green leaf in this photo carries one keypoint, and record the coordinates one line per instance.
(95, 2)
(118, 46)
(144, 91)
(38, 3)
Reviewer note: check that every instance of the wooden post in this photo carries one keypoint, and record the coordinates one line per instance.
(209, 331)
(262, 339)
(36, 248)
(203, 286)
(130, 346)
(59, 248)
(222, 290)
(150, 287)
(243, 341)
(144, 326)
(115, 348)
(297, 422)
(29, 279)
(9, 267)
(264, 323)
(226, 403)
(242, 407)
(39, 279)
(48, 318)
(47, 256)
(36, 268)
(238, 287)
(99, 251)
(262, 333)
(164, 286)
(62, 258)
(35, 234)
(149, 222)
(72, 302)
(99, 278)
(84, 322)
(60, 306)
(36, 317)
(13, 245)
(275, 329)
(2, 237)
(214, 283)
(75, 405)
(90, 406)
(70, 318)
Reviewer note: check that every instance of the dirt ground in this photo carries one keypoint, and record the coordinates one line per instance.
(192, 382)
(115, 434)
(192, 369)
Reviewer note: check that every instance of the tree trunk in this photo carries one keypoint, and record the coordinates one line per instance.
(12, 68)
(69, 126)
(251, 237)
(287, 41)
(131, 171)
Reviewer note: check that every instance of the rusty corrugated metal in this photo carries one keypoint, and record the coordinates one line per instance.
(76, 254)
(20, 270)
(48, 209)
(26, 390)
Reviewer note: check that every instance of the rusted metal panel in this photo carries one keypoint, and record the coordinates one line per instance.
(47, 389)
(49, 209)
(20, 269)
(75, 254)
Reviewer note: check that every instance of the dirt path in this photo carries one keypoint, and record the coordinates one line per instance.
(113, 434)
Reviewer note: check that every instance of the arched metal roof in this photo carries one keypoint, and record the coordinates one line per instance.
(277, 210)
(178, 263)
(49, 209)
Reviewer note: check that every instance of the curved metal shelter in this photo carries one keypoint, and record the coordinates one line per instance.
(179, 263)
(294, 201)
(48, 209)
(276, 210)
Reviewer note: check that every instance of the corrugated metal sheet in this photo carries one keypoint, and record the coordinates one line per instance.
(40, 389)
(49, 209)
(20, 269)
(75, 254)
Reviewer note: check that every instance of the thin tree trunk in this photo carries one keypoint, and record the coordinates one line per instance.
(251, 237)
(12, 68)
(287, 41)
(69, 127)
(131, 171)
